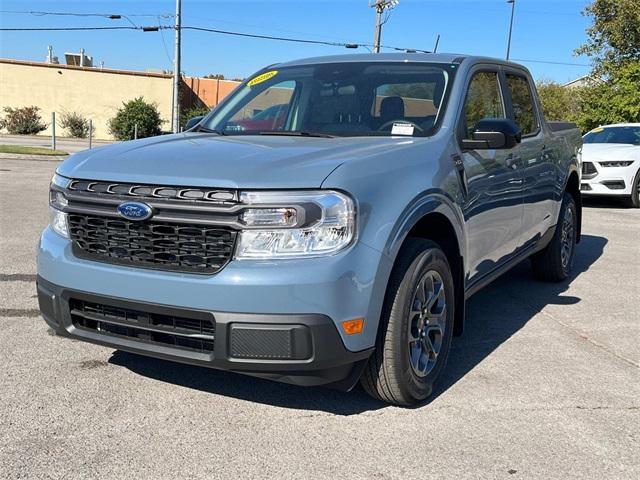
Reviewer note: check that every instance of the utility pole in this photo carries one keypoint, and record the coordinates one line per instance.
(513, 7)
(380, 6)
(175, 118)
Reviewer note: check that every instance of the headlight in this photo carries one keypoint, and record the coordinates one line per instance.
(59, 222)
(619, 163)
(295, 224)
(57, 203)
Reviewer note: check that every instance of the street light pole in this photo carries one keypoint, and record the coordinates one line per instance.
(175, 117)
(513, 7)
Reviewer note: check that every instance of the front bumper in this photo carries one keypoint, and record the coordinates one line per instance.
(313, 294)
(298, 349)
(616, 181)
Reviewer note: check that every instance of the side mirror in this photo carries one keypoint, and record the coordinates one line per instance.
(493, 134)
(192, 122)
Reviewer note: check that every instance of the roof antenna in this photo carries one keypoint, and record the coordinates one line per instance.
(435, 49)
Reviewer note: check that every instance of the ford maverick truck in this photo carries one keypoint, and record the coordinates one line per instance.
(323, 225)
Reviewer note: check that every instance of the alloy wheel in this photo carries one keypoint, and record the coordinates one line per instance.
(427, 321)
(567, 238)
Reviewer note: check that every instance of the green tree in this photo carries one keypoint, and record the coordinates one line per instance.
(134, 113)
(616, 100)
(197, 111)
(614, 37)
(558, 102)
(75, 124)
(22, 121)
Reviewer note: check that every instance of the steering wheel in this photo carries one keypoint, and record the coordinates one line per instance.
(406, 122)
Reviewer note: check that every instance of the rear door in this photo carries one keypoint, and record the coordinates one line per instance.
(493, 202)
(538, 156)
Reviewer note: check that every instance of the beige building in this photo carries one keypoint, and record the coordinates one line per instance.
(92, 92)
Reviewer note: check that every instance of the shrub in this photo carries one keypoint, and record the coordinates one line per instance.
(22, 121)
(136, 112)
(75, 124)
(192, 112)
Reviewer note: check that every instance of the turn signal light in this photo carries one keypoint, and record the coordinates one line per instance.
(353, 327)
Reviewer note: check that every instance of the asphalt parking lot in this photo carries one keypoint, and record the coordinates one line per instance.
(545, 383)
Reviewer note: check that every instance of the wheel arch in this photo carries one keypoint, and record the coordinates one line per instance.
(435, 218)
(572, 187)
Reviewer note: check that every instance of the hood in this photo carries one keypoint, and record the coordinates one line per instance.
(211, 160)
(610, 151)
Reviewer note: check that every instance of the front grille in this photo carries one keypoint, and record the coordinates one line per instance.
(154, 191)
(151, 244)
(195, 332)
(589, 170)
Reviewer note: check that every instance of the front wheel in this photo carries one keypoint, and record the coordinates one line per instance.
(416, 327)
(554, 263)
(633, 200)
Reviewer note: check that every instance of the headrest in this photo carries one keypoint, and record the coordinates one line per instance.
(392, 108)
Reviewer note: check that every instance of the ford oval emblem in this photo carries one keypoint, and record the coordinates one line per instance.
(135, 211)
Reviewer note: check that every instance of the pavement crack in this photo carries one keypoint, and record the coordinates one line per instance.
(581, 334)
(19, 312)
(17, 277)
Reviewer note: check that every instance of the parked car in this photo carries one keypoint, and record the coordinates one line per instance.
(337, 247)
(271, 118)
(611, 162)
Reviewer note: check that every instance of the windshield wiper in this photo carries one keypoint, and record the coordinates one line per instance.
(209, 130)
(296, 133)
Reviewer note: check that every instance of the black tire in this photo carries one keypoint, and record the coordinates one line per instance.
(391, 374)
(633, 200)
(554, 263)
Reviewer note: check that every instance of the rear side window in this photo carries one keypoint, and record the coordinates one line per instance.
(484, 100)
(523, 111)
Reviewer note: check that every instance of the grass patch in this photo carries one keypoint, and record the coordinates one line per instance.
(30, 150)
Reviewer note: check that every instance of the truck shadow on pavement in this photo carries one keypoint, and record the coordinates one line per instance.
(518, 294)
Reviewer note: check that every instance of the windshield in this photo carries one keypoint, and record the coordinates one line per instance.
(338, 99)
(627, 135)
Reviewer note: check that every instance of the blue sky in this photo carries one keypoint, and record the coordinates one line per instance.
(544, 30)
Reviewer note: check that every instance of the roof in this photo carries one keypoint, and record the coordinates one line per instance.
(620, 125)
(447, 58)
(86, 69)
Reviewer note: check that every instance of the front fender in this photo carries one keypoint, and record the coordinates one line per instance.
(418, 208)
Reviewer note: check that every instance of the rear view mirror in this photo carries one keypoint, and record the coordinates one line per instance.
(192, 122)
(493, 134)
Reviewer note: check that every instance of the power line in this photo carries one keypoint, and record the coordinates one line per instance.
(79, 14)
(71, 29)
(551, 63)
(296, 40)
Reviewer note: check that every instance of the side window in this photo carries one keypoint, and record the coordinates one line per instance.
(522, 100)
(484, 100)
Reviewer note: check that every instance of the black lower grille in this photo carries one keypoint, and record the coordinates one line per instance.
(151, 244)
(589, 169)
(188, 333)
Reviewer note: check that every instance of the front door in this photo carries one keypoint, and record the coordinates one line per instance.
(493, 202)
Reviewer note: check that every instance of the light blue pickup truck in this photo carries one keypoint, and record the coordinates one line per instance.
(333, 238)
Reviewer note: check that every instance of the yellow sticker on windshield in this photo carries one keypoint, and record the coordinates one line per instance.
(597, 130)
(262, 78)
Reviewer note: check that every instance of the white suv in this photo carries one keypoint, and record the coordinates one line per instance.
(611, 162)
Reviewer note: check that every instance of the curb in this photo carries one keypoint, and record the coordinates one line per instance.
(37, 158)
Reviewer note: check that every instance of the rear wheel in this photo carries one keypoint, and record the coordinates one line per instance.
(633, 200)
(554, 263)
(416, 327)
